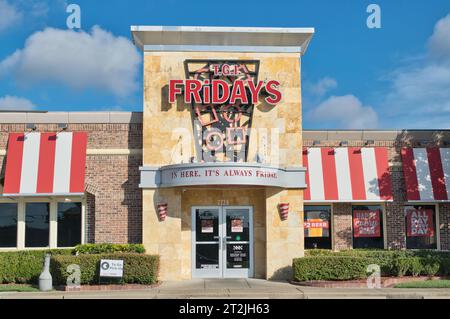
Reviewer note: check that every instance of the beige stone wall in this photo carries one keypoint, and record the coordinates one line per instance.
(276, 129)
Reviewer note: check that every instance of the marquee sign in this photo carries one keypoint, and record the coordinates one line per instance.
(237, 174)
(222, 95)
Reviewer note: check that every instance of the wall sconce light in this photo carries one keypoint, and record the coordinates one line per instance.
(31, 127)
(62, 126)
(162, 211)
(283, 209)
(343, 143)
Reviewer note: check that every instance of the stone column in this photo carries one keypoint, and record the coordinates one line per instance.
(284, 238)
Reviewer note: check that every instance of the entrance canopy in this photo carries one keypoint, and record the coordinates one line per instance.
(427, 174)
(40, 164)
(222, 39)
(347, 174)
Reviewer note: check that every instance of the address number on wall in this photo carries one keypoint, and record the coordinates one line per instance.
(223, 202)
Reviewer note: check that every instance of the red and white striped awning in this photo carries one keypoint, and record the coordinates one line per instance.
(45, 164)
(427, 174)
(347, 174)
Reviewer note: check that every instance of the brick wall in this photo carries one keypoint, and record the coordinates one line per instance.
(342, 222)
(444, 221)
(113, 197)
(395, 219)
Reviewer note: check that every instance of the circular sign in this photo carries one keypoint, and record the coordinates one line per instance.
(105, 265)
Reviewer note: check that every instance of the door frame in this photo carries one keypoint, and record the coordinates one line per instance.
(197, 273)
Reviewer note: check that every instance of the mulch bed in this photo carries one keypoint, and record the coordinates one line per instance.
(107, 287)
(386, 282)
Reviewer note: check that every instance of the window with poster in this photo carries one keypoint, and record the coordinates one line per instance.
(317, 223)
(420, 224)
(368, 227)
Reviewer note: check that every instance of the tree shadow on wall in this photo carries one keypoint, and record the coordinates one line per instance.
(283, 274)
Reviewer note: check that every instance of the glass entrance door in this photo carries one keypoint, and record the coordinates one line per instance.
(222, 242)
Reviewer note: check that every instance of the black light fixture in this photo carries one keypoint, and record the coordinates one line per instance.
(63, 126)
(31, 127)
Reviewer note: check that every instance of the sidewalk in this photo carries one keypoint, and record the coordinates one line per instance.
(236, 289)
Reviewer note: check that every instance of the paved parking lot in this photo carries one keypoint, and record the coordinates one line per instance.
(238, 288)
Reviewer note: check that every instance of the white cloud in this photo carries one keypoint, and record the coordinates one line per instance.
(321, 87)
(439, 43)
(14, 103)
(79, 60)
(345, 112)
(9, 15)
(420, 91)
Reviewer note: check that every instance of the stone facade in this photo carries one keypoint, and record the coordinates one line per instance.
(165, 125)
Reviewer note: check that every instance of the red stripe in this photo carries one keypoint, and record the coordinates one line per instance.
(356, 173)
(14, 163)
(410, 174)
(384, 175)
(306, 192)
(46, 168)
(78, 163)
(437, 173)
(329, 174)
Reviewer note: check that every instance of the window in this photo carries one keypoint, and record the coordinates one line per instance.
(8, 225)
(317, 227)
(37, 219)
(69, 224)
(368, 227)
(420, 227)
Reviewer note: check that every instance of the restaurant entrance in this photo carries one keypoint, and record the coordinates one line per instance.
(222, 242)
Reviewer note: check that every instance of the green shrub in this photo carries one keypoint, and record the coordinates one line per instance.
(25, 266)
(109, 248)
(401, 265)
(444, 269)
(431, 265)
(330, 268)
(138, 268)
(415, 266)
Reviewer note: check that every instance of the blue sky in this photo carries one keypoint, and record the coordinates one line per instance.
(353, 77)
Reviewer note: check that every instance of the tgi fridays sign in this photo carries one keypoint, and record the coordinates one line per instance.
(419, 222)
(366, 223)
(222, 95)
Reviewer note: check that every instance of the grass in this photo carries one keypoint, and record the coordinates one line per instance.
(425, 284)
(17, 288)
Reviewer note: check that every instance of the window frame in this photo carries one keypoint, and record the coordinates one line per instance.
(53, 226)
(331, 206)
(383, 221)
(17, 225)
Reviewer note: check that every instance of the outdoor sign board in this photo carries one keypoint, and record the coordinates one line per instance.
(111, 268)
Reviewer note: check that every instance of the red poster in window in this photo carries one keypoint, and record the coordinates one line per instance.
(419, 222)
(366, 223)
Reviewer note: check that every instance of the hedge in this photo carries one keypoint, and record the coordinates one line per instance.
(25, 266)
(329, 268)
(138, 268)
(109, 248)
(346, 265)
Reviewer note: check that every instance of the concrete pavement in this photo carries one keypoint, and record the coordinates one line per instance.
(238, 289)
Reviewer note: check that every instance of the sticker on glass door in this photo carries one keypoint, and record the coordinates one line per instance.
(222, 244)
